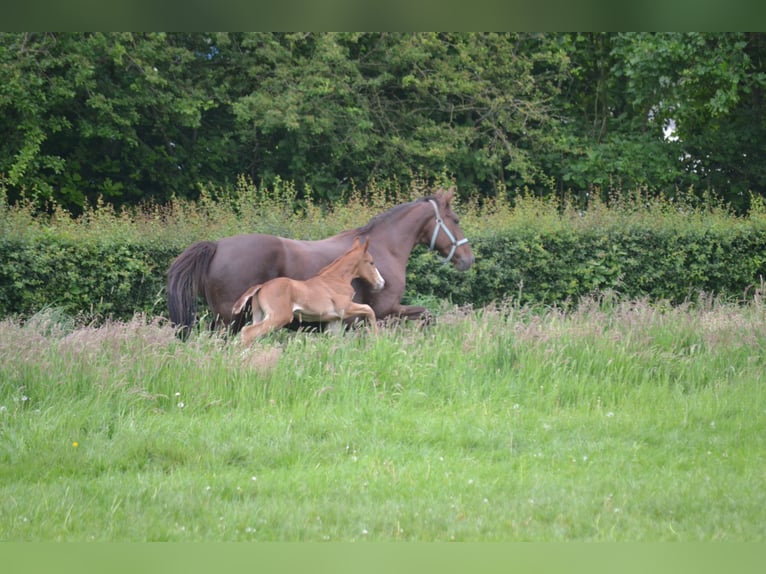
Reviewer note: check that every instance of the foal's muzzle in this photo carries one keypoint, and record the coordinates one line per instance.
(379, 284)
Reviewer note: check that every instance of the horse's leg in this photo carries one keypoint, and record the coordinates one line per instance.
(218, 325)
(387, 304)
(412, 313)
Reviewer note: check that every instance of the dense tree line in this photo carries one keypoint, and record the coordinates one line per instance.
(129, 117)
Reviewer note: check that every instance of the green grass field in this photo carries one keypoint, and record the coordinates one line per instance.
(613, 421)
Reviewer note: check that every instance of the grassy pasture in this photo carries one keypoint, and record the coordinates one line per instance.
(612, 421)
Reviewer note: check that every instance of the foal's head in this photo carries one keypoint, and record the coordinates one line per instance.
(365, 265)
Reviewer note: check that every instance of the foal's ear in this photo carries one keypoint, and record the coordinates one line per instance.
(366, 243)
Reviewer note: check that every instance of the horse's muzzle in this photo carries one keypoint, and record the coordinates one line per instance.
(463, 263)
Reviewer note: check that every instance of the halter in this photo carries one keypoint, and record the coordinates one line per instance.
(439, 226)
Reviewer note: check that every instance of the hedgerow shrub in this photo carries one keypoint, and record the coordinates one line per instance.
(534, 252)
(101, 278)
(561, 267)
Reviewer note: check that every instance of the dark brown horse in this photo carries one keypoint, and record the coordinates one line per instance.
(222, 270)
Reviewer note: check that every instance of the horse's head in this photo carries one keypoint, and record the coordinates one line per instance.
(445, 234)
(365, 267)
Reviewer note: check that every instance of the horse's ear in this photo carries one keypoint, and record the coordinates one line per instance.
(366, 243)
(356, 243)
(446, 194)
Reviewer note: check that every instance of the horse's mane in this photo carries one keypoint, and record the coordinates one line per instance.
(386, 215)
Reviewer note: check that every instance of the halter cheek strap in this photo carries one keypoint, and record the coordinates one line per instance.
(441, 226)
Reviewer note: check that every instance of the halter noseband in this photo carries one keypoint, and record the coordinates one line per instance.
(439, 226)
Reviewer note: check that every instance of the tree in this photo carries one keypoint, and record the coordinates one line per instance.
(322, 109)
(130, 117)
(607, 140)
(112, 115)
(300, 115)
(711, 87)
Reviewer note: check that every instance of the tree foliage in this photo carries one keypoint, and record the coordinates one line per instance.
(131, 117)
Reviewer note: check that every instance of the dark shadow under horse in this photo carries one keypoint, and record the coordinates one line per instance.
(223, 270)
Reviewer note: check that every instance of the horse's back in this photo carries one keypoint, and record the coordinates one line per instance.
(242, 261)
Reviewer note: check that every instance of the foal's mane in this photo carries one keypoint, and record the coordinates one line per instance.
(386, 215)
(334, 262)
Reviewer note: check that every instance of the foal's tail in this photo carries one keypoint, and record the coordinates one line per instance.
(247, 299)
(186, 280)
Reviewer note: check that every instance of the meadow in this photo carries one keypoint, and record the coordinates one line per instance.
(611, 420)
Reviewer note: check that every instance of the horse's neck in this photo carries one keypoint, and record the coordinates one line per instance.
(401, 233)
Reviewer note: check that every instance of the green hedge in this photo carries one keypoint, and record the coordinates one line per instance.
(116, 278)
(561, 266)
(97, 278)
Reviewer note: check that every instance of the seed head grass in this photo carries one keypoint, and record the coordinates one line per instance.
(614, 420)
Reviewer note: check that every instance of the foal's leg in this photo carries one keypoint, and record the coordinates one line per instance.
(256, 330)
(362, 310)
(273, 318)
(334, 327)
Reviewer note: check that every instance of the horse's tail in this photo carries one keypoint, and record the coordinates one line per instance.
(186, 280)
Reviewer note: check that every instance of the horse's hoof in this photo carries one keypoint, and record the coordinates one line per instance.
(427, 319)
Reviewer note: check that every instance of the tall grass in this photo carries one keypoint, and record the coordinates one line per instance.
(247, 208)
(244, 208)
(616, 420)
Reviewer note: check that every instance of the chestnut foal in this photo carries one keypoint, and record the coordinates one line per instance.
(325, 297)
